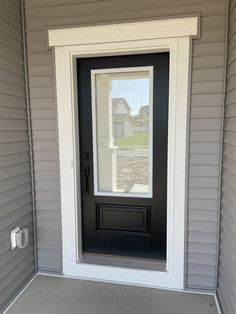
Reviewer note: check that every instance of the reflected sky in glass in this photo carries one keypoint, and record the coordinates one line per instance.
(135, 91)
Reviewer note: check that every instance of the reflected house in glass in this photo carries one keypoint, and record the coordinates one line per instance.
(122, 119)
(141, 120)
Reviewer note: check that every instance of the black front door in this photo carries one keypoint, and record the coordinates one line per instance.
(123, 129)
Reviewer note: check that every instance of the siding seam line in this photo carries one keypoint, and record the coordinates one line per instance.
(10, 58)
(11, 35)
(13, 38)
(29, 133)
(17, 3)
(9, 21)
(10, 10)
(11, 71)
(211, 3)
(14, 95)
(56, 5)
(222, 141)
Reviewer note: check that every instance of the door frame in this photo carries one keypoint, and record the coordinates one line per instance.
(172, 35)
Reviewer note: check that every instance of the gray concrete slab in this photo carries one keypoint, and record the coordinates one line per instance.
(53, 295)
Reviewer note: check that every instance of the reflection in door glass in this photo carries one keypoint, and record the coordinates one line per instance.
(122, 112)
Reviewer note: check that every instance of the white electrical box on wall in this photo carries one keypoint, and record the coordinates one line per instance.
(19, 238)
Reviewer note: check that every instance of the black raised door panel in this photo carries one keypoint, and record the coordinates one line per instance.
(123, 218)
(124, 223)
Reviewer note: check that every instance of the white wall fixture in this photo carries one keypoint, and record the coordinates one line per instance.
(174, 36)
(19, 238)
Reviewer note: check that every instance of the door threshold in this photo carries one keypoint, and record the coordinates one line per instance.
(124, 261)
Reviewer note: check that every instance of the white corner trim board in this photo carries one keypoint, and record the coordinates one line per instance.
(173, 35)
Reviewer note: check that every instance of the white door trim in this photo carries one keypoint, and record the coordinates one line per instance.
(173, 35)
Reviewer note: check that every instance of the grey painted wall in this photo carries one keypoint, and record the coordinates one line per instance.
(15, 182)
(205, 119)
(227, 266)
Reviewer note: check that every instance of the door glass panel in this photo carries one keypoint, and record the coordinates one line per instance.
(122, 131)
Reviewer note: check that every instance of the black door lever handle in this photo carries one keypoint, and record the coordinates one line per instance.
(86, 173)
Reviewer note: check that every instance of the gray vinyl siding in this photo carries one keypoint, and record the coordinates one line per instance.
(205, 119)
(227, 265)
(16, 266)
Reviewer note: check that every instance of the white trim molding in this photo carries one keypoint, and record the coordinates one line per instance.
(174, 36)
(168, 28)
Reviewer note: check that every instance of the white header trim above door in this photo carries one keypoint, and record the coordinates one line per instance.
(173, 35)
(179, 27)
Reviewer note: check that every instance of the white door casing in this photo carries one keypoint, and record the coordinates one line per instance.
(173, 35)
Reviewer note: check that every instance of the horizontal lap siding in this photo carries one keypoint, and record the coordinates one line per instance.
(208, 67)
(15, 181)
(205, 118)
(227, 266)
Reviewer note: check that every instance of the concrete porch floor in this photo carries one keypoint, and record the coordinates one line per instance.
(53, 295)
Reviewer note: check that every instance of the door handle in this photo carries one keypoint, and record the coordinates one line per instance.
(86, 173)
